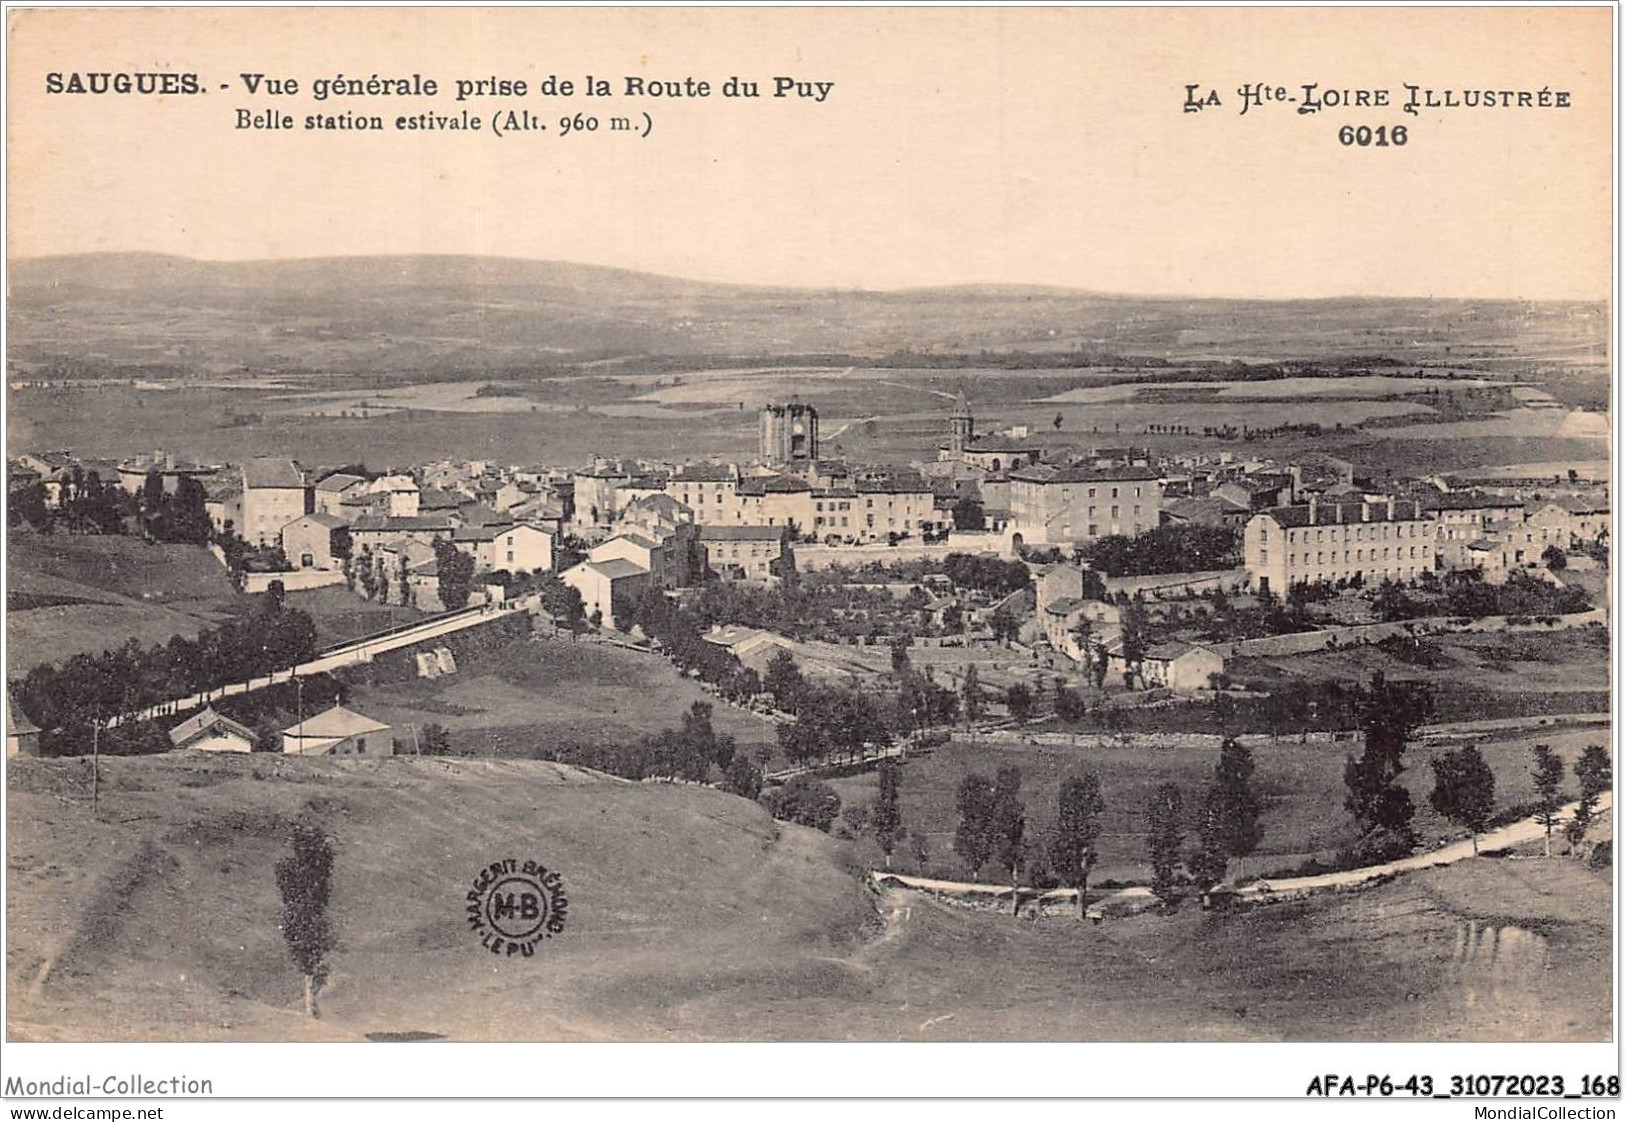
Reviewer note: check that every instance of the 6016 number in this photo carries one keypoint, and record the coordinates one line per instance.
(1364, 136)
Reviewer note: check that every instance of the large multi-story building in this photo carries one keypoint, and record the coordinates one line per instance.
(274, 494)
(888, 503)
(1330, 541)
(789, 433)
(709, 490)
(1052, 505)
(747, 553)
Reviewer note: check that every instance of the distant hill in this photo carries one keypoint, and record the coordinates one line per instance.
(443, 315)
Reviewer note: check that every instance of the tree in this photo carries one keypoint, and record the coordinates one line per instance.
(188, 513)
(1077, 827)
(1164, 833)
(1134, 639)
(1007, 822)
(1548, 768)
(1231, 810)
(456, 575)
(743, 777)
(1554, 558)
(1378, 802)
(304, 877)
(1596, 775)
(434, 740)
(972, 694)
(968, 515)
(1084, 632)
(973, 839)
(887, 819)
(1019, 700)
(899, 653)
(1464, 789)
(1005, 626)
(784, 681)
(805, 801)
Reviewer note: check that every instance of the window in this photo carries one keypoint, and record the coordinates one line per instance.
(1094, 530)
(1114, 492)
(510, 554)
(1263, 557)
(361, 744)
(1115, 511)
(1091, 492)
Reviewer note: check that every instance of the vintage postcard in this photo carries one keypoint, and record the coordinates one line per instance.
(1053, 525)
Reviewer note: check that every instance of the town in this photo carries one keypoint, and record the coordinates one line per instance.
(1216, 665)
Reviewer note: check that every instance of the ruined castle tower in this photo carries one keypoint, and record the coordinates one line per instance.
(789, 433)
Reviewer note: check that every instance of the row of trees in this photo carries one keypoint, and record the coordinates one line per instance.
(1464, 789)
(993, 827)
(1465, 593)
(86, 505)
(1171, 548)
(67, 699)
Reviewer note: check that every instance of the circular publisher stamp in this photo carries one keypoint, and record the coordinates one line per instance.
(516, 904)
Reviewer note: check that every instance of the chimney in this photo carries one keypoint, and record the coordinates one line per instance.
(1314, 508)
(1390, 508)
(1365, 511)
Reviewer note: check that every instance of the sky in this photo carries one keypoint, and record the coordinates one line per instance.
(1023, 146)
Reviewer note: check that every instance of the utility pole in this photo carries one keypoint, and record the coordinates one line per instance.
(299, 701)
(95, 764)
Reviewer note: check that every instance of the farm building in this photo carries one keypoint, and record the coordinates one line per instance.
(22, 735)
(209, 731)
(338, 732)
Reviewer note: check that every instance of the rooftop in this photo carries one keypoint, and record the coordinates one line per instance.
(335, 723)
(616, 568)
(270, 473)
(1332, 514)
(340, 481)
(1084, 473)
(741, 533)
(703, 473)
(200, 723)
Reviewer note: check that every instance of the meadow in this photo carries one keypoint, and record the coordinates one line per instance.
(694, 916)
(538, 695)
(1300, 786)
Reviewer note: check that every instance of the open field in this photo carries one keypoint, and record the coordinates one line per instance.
(694, 916)
(543, 693)
(1301, 786)
(69, 594)
(1483, 674)
(340, 615)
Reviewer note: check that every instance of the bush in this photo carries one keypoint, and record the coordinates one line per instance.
(805, 801)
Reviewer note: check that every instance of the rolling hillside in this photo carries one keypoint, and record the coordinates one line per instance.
(693, 916)
(400, 316)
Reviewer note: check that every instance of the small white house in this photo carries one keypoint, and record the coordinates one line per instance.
(209, 731)
(338, 732)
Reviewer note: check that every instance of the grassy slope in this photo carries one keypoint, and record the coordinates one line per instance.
(101, 591)
(693, 916)
(1301, 785)
(549, 692)
(160, 919)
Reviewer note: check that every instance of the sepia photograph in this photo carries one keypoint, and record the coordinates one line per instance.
(868, 525)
